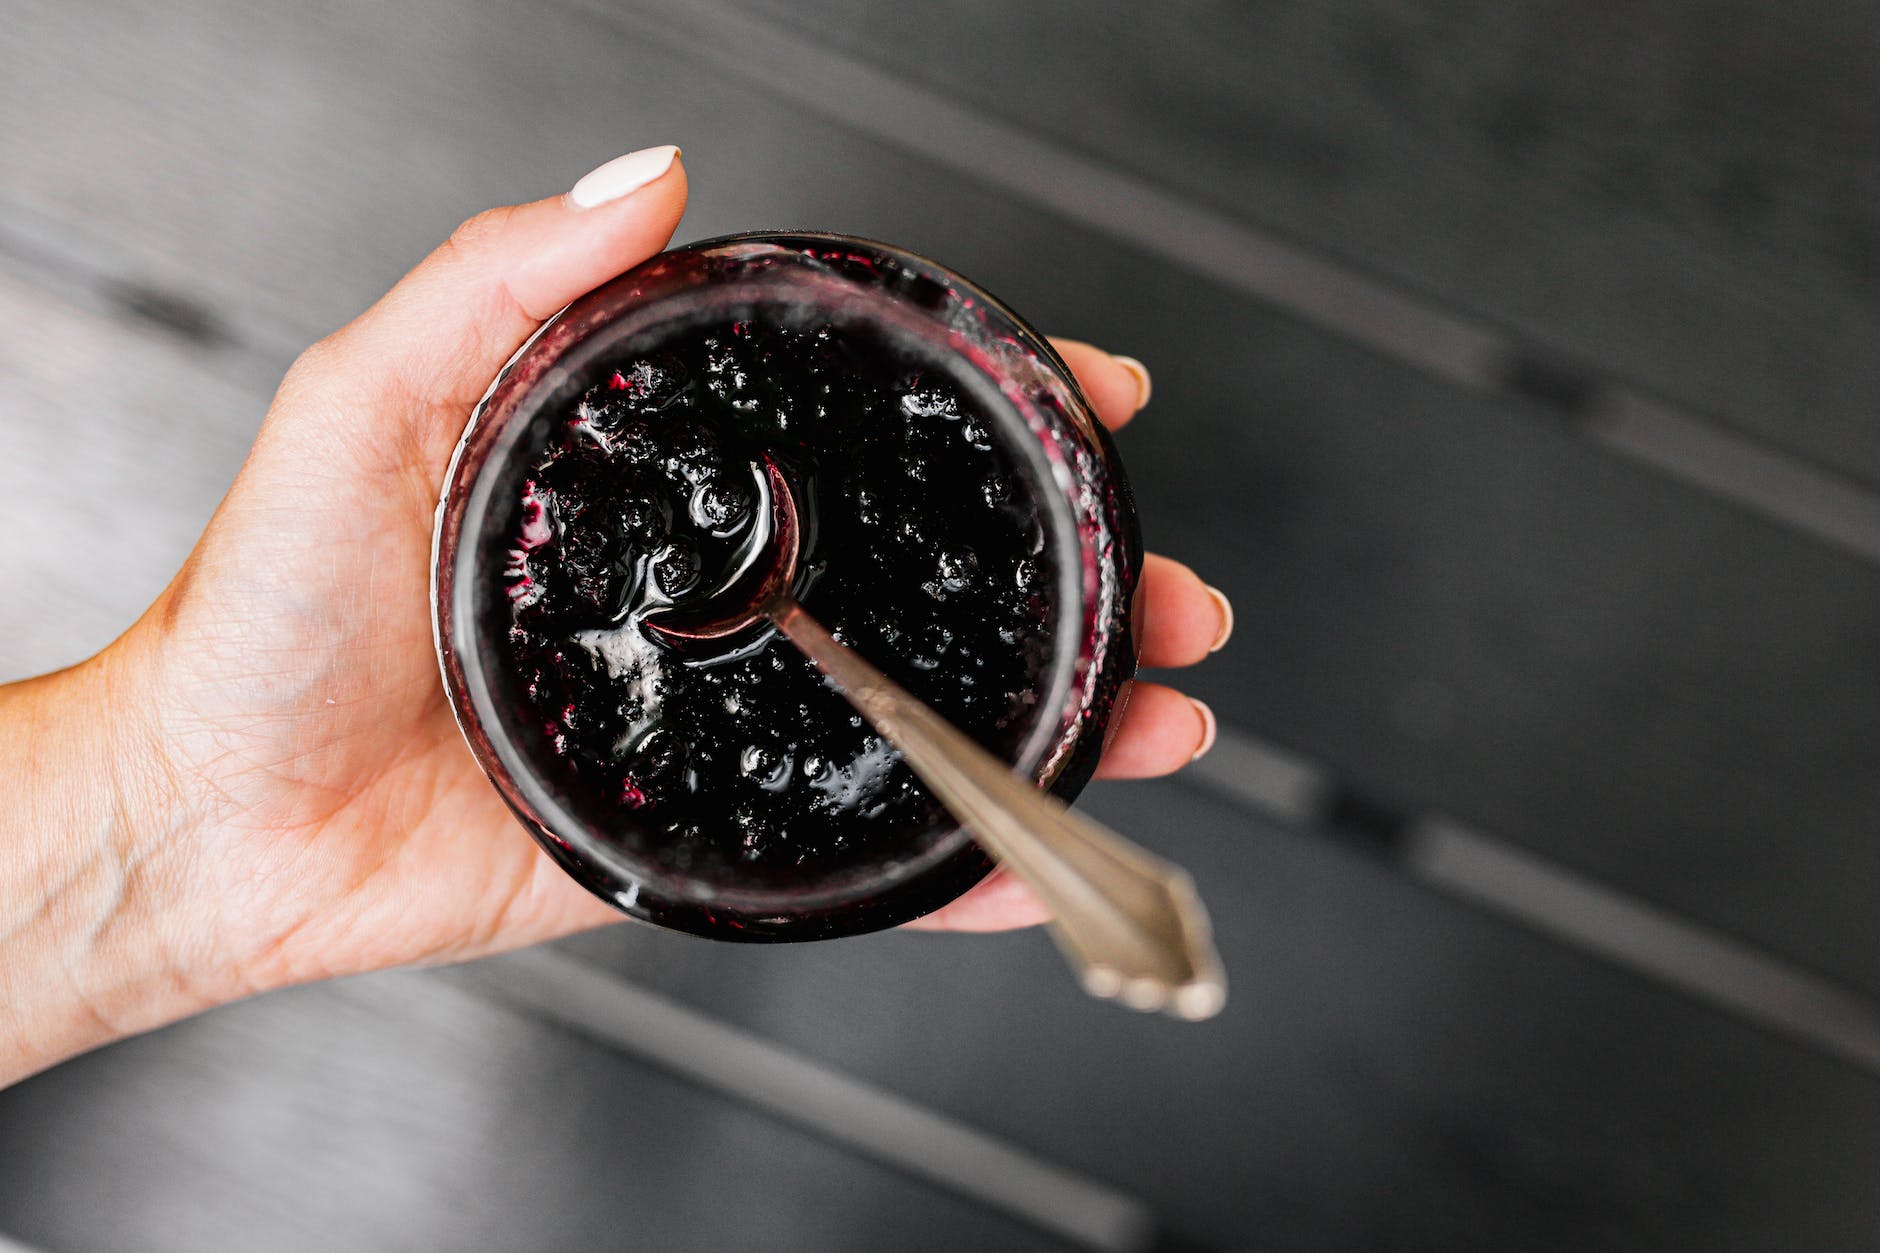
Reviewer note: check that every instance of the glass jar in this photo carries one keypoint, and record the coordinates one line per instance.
(933, 319)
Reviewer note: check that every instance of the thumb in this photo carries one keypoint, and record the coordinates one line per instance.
(440, 335)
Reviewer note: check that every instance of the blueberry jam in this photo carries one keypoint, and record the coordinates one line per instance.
(923, 549)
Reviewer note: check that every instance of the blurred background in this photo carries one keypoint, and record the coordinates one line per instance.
(1516, 375)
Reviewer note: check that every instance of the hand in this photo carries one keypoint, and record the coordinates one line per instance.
(293, 799)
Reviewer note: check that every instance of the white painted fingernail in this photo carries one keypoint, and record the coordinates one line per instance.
(1209, 728)
(622, 176)
(1144, 388)
(1226, 607)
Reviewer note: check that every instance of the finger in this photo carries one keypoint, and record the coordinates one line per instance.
(999, 902)
(1183, 619)
(1160, 731)
(1117, 386)
(450, 324)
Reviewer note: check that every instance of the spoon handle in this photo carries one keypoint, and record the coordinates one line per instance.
(1129, 922)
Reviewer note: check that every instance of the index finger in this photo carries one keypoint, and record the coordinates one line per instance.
(1117, 386)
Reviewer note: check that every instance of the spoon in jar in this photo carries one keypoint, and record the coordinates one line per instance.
(1129, 922)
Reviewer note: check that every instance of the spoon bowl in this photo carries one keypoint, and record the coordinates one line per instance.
(765, 574)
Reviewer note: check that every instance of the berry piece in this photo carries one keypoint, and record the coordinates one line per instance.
(677, 567)
(720, 506)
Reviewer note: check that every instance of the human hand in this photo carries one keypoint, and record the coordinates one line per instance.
(294, 800)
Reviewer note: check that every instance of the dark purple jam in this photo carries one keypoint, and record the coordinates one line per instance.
(924, 550)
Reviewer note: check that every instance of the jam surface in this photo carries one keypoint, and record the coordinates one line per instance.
(924, 550)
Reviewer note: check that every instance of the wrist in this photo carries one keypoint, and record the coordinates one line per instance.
(97, 938)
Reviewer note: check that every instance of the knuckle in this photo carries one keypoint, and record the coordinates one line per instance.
(317, 360)
(326, 368)
(475, 230)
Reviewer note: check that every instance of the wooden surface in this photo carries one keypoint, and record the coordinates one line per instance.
(1453, 601)
(1686, 195)
(408, 1114)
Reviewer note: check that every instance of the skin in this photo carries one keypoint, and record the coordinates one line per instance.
(260, 783)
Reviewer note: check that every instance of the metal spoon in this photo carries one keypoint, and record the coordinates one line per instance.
(1127, 921)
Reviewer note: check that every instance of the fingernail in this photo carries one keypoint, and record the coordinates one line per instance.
(1209, 728)
(1144, 388)
(622, 176)
(1227, 619)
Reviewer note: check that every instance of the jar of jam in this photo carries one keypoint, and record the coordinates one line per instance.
(966, 526)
